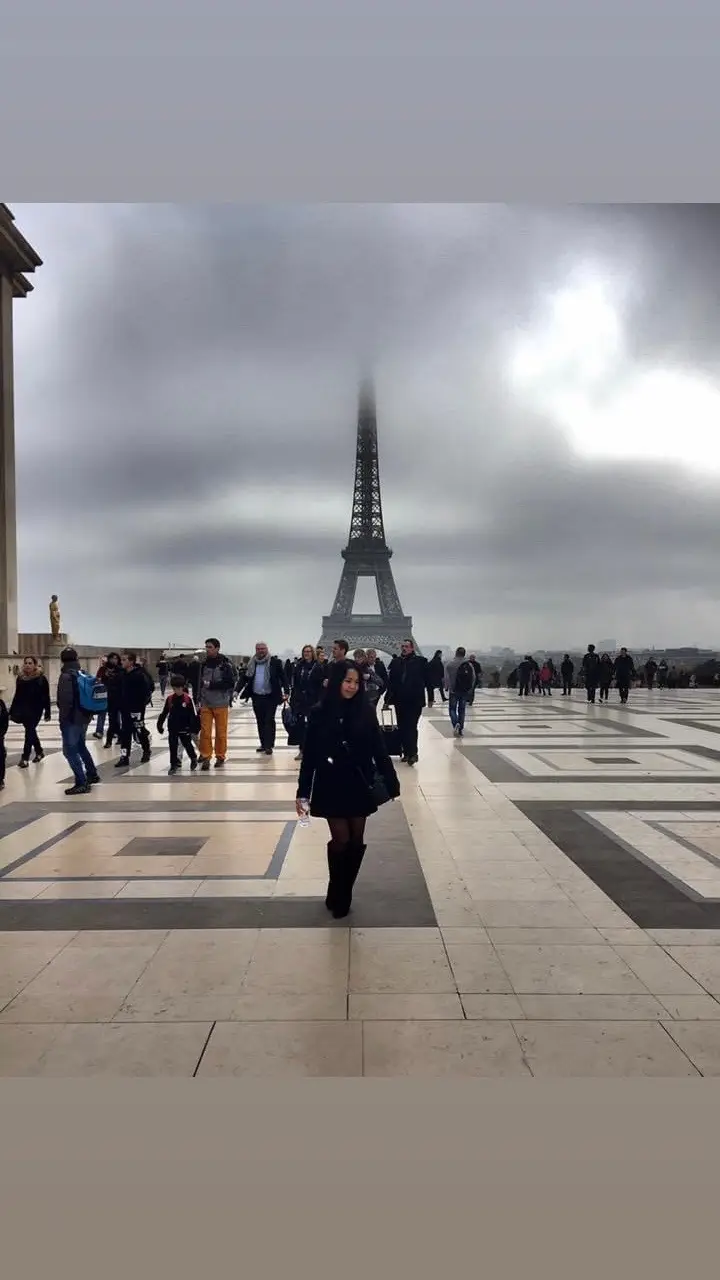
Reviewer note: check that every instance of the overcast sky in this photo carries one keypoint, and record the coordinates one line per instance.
(548, 389)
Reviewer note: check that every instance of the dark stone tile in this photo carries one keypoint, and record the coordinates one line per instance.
(161, 846)
(647, 897)
(610, 760)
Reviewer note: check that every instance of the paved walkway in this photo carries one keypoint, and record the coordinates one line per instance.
(545, 900)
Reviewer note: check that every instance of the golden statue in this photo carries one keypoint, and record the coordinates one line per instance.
(55, 618)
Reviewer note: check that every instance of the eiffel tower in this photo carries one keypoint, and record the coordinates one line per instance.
(367, 554)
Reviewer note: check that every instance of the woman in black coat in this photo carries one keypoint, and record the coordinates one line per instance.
(344, 752)
(307, 686)
(436, 677)
(30, 704)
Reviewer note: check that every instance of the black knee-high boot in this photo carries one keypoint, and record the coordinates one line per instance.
(335, 859)
(356, 853)
(348, 868)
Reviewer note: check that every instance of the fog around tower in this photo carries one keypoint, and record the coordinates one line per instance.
(547, 395)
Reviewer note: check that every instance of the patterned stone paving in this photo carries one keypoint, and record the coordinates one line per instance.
(544, 900)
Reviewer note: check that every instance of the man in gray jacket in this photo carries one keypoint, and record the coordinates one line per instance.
(74, 726)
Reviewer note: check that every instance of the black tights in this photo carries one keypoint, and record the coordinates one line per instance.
(347, 830)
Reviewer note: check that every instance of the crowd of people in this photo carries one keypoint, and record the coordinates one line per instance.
(597, 674)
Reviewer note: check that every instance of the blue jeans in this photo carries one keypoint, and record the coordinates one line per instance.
(458, 706)
(100, 722)
(77, 754)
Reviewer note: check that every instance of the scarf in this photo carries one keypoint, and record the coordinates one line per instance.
(252, 667)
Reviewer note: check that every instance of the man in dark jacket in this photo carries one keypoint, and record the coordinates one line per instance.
(136, 691)
(74, 726)
(624, 668)
(650, 673)
(267, 687)
(407, 685)
(525, 673)
(567, 671)
(591, 672)
(217, 688)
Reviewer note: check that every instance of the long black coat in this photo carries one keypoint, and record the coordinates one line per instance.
(307, 685)
(407, 682)
(31, 701)
(606, 672)
(339, 762)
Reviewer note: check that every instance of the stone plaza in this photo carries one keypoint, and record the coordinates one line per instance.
(544, 900)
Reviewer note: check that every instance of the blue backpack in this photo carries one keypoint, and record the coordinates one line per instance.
(92, 694)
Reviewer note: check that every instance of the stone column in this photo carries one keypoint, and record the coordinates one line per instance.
(8, 531)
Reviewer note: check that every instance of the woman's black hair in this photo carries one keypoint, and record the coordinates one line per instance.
(332, 699)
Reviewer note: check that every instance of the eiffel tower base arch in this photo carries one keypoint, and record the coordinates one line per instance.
(366, 631)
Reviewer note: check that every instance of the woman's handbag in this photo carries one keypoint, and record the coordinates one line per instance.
(379, 793)
(377, 788)
(292, 726)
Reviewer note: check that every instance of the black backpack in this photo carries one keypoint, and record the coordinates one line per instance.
(465, 678)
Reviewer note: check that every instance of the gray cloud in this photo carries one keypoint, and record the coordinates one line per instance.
(186, 381)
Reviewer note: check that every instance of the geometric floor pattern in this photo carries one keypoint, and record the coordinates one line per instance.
(543, 900)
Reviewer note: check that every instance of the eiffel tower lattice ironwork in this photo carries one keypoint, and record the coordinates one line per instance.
(367, 554)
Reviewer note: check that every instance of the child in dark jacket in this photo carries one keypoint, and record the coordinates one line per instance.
(4, 726)
(183, 722)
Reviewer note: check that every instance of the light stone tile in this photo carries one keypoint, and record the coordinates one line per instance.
(175, 888)
(540, 937)
(80, 985)
(308, 970)
(336, 938)
(235, 889)
(401, 969)
(20, 965)
(22, 890)
(528, 915)
(492, 1007)
(301, 889)
(122, 1051)
(631, 937)
(685, 937)
(689, 1008)
(362, 938)
(567, 970)
(118, 938)
(22, 1048)
(328, 1007)
(398, 1008)
(632, 1008)
(702, 963)
(700, 1042)
(76, 889)
(658, 971)
(52, 940)
(442, 1049)
(601, 1049)
(477, 970)
(525, 890)
(284, 1049)
(465, 933)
